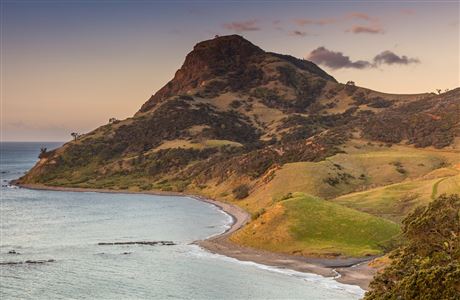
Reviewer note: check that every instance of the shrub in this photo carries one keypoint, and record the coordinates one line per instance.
(287, 196)
(399, 167)
(241, 191)
(235, 104)
(257, 214)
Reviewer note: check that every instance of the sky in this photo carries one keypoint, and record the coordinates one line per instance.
(69, 66)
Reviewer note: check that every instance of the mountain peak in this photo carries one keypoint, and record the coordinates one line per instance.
(232, 45)
(220, 55)
(229, 63)
(208, 60)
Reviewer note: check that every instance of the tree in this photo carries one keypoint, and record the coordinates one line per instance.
(43, 152)
(427, 265)
(439, 91)
(352, 83)
(75, 135)
(113, 120)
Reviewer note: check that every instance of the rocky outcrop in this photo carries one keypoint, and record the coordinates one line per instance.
(148, 243)
(41, 261)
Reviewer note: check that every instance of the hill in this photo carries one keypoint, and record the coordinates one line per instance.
(251, 127)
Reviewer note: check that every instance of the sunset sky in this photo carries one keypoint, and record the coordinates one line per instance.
(71, 65)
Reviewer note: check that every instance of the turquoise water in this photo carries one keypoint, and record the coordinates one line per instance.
(67, 226)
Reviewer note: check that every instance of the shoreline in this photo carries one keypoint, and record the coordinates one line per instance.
(353, 271)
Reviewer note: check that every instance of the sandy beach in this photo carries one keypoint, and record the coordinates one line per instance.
(353, 271)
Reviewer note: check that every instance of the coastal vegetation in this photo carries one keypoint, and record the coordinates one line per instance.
(427, 265)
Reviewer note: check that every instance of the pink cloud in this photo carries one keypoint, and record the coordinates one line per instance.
(250, 25)
(361, 16)
(298, 33)
(373, 29)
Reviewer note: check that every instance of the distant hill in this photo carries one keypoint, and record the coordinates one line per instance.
(277, 136)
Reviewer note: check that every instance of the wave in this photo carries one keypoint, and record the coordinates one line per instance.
(228, 221)
(326, 282)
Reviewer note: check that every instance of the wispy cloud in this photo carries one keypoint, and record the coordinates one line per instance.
(370, 24)
(337, 60)
(373, 25)
(298, 33)
(250, 25)
(361, 16)
(326, 21)
(373, 29)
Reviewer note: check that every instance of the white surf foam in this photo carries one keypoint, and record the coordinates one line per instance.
(326, 282)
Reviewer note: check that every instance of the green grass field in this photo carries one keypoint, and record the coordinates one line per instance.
(311, 226)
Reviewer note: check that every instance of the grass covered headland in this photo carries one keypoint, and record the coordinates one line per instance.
(326, 169)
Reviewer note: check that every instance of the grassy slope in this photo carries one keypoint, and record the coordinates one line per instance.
(199, 145)
(311, 226)
(384, 192)
(376, 163)
(396, 200)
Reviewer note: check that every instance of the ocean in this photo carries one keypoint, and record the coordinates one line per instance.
(62, 230)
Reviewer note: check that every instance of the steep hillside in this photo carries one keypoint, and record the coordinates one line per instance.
(243, 125)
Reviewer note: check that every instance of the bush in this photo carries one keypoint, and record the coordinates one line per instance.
(399, 167)
(241, 191)
(257, 214)
(235, 104)
(428, 265)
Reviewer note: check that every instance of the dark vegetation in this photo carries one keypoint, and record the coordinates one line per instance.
(427, 266)
(399, 167)
(170, 160)
(300, 127)
(341, 177)
(432, 121)
(44, 153)
(241, 191)
(360, 98)
(305, 65)
(257, 214)
(307, 89)
(255, 163)
(171, 120)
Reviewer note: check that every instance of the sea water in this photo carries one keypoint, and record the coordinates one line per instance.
(66, 227)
